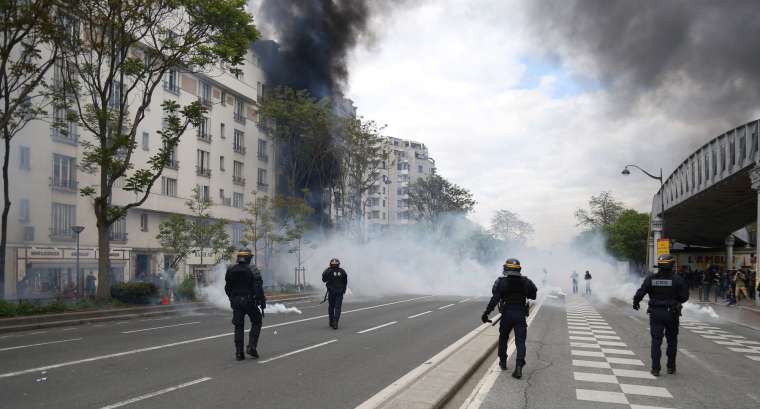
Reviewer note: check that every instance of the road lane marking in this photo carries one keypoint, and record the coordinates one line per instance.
(178, 343)
(465, 300)
(154, 394)
(445, 306)
(596, 354)
(41, 343)
(162, 327)
(632, 373)
(617, 351)
(645, 390)
(69, 329)
(585, 345)
(591, 364)
(648, 407)
(624, 361)
(419, 315)
(601, 396)
(594, 377)
(753, 357)
(298, 351)
(377, 327)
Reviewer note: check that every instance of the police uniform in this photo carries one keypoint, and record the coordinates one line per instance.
(245, 289)
(510, 293)
(667, 291)
(336, 281)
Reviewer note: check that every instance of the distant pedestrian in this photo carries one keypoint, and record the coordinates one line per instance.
(709, 279)
(90, 285)
(336, 281)
(574, 277)
(741, 285)
(587, 277)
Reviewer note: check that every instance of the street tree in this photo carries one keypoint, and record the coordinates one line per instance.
(433, 196)
(302, 128)
(28, 32)
(507, 225)
(115, 54)
(627, 237)
(603, 211)
(175, 237)
(260, 227)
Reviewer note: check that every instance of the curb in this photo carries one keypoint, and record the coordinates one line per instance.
(97, 316)
(432, 384)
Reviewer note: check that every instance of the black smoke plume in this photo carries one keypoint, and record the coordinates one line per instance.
(694, 59)
(314, 39)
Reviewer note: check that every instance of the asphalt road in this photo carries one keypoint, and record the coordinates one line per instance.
(588, 355)
(188, 361)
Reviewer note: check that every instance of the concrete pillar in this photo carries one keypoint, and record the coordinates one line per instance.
(755, 177)
(656, 235)
(730, 252)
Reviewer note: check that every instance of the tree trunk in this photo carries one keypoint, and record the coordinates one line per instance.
(6, 210)
(104, 255)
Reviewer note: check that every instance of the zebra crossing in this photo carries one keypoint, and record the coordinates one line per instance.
(735, 343)
(604, 369)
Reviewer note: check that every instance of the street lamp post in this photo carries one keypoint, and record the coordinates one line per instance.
(626, 172)
(77, 230)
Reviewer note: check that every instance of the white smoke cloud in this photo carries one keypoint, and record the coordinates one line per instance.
(214, 294)
(691, 310)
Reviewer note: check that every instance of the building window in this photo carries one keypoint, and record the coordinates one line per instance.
(23, 210)
(261, 180)
(262, 153)
(221, 163)
(237, 173)
(28, 233)
(118, 231)
(222, 133)
(70, 27)
(114, 102)
(171, 83)
(224, 98)
(239, 110)
(145, 141)
(25, 158)
(237, 200)
(419, 168)
(144, 222)
(237, 234)
(203, 192)
(205, 94)
(203, 130)
(221, 194)
(203, 167)
(259, 91)
(64, 172)
(168, 186)
(63, 217)
(238, 141)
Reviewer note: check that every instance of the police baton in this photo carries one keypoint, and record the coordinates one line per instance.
(324, 299)
(496, 321)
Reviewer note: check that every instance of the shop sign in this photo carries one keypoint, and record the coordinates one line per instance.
(663, 247)
(44, 253)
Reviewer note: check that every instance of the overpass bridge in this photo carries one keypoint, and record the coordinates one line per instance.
(711, 194)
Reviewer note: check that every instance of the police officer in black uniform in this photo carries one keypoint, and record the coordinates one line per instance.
(336, 281)
(667, 291)
(510, 293)
(245, 289)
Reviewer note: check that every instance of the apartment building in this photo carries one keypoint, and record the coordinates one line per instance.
(387, 202)
(227, 157)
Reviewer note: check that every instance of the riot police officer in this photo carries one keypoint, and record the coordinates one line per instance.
(667, 291)
(510, 293)
(336, 280)
(245, 289)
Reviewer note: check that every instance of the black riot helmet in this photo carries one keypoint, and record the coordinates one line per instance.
(512, 264)
(665, 262)
(244, 256)
(335, 263)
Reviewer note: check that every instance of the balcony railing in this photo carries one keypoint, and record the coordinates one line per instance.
(239, 149)
(239, 117)
(64, 185)
(263, 157)
(227, 201)
(205, 102)
(71, 138)
(205, 172)
(238, 180)
(172, 87)
(172, 164)
(117, 236)
(205, 137)
(262, 187)
(62, 235)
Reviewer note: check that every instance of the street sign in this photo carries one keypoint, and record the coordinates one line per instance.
(663, 247)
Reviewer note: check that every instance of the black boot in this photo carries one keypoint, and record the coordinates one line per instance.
(239, 355)
(655, 372)
(252, 351)
(672, 369)
(503, 364)
(332, 323)
(517, 374)
(335, 324)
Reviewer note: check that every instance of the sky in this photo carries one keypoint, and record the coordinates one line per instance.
(522, 117)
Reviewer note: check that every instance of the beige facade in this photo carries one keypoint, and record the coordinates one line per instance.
(228, 158)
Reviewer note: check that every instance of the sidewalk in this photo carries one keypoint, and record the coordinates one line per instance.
(745, 314)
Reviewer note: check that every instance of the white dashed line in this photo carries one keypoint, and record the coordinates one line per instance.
(156, 393)
(162, 327)
(445, 306)
(41, 343)
(419, 315)
(298, 351)
(377, 327)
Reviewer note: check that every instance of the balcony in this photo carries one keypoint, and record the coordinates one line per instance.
(172, 164)
(117, 236)
(262, 187)
(70, 138)
(62, 235)
(205, 102)
(239, 149)
(64, 185)
(172, 87)
(238, 180)
(227, 201)
(205, 137)
(239, 118)
(205, 172)
(263, 157)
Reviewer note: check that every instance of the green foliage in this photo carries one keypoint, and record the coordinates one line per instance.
(294, 216)
(260, 225)
(135, 293)
(434, 196)
(627, 237)
(174, 234)
(27, 307)
(603, 211)
(186, 290)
